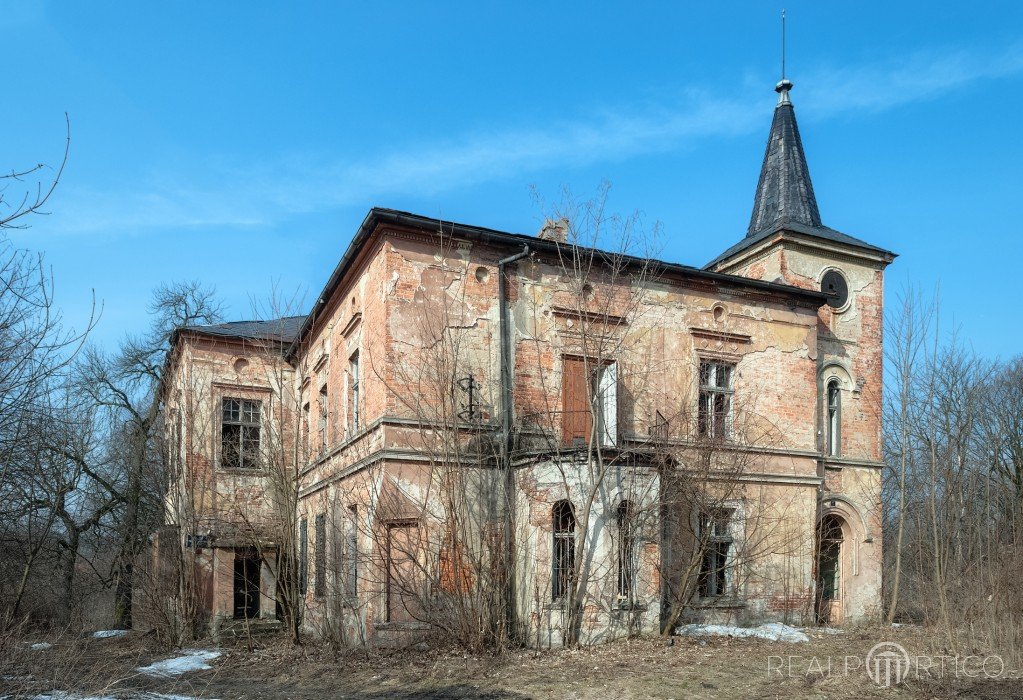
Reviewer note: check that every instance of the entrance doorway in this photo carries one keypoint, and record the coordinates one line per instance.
(830, 540)
(246, 584)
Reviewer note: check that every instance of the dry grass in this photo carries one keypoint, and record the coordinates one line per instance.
(647, 668)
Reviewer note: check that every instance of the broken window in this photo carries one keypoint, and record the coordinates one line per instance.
(715, 410)
(563, 560)
(239, 433)
(303, 556)
(834, 418)
(320, 565)
(353, 392)
(716, 540)
(626, 552)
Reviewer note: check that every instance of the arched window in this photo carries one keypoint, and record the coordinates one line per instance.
(834, 418)
(626, 551)
(563, 560)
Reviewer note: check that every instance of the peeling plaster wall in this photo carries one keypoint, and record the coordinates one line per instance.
(850, 340)
(419, 313)
(232, 507)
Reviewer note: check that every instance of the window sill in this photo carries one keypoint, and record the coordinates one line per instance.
(401, 626)
(241, 471)
(625, 606)
(718, 602)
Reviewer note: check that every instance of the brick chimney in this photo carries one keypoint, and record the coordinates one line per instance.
(555, 230)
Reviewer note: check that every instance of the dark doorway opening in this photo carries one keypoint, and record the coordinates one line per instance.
(246, 584)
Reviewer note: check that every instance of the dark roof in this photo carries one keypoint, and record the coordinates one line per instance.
(784, 190)
(284, 330)
(784, 199)
(823, 232)
(516, 242)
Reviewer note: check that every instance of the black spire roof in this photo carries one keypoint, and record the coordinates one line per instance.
(784, 199)
(784, 192)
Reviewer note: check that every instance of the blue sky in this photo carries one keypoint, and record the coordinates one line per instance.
(242, 143)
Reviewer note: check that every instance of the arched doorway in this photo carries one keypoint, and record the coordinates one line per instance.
(830, 539)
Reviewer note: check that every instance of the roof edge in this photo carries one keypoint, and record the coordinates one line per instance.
(379, 216)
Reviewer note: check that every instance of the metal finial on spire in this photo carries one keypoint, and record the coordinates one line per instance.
(784, 85)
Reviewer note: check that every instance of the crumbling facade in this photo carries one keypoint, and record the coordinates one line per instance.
(493, 435)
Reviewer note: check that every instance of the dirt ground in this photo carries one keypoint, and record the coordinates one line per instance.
(829, 666)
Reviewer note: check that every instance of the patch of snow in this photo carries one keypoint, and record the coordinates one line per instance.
(107, 634)
(189, 660)
(41, 646)
(772, 631)
(62, 695)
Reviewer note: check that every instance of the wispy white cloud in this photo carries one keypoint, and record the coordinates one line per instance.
(265, 193)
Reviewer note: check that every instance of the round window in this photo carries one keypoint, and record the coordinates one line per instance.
(836, 288)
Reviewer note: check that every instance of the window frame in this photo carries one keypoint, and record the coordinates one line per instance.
(324, 418)
(713, 418)
(626, 561)
(303, 556)
(604, 388)
(351, 554)
(354, 392)
(563, 550)
(714, 579)
(833, 408)
(245, 453)
(320, 556)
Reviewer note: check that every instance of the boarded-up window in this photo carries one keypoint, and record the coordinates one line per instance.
(403, 589)
(576, 420)
(582, 381)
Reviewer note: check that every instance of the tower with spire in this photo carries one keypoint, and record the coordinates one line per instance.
(787, 242)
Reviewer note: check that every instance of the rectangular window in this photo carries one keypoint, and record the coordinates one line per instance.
(577, 393)
(303, 556)
(403, 583)
(353, 392)
(352, 555)
(834, 418)
(716, 540)
(305, 427)
(714, 414)
(239, 433)
(626, 552)
(323, 418)
(605, 402)
(320, 565)
(576, 421)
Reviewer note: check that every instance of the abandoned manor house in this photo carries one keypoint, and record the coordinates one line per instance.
(475, 432)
